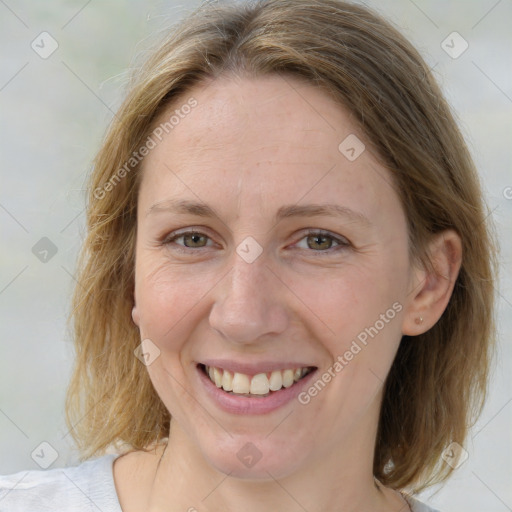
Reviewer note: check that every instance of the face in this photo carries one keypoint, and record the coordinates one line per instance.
(267, 241)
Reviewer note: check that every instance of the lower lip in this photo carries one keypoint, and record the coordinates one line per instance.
(237, 404)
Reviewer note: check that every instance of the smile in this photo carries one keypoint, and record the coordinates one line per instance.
(258, 385)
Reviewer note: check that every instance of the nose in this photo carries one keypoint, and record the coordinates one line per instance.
(249, 303)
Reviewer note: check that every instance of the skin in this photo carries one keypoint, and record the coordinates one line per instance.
(251, 146)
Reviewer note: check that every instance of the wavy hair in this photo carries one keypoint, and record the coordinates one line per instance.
(438, 381)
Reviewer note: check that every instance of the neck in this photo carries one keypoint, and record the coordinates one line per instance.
(338, 480)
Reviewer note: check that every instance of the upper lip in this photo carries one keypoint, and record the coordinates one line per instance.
(253, 368)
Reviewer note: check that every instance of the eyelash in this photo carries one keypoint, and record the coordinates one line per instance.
(342, 242)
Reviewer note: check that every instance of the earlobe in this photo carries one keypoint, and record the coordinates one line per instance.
(433, 288)
(135, 315)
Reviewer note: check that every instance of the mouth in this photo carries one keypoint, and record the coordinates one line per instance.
(260, 385)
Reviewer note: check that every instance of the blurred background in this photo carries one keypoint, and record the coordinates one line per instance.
(64, 69)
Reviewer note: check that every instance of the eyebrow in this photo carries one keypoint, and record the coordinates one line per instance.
(187, 207)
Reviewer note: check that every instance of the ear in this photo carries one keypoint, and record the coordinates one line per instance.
(135, 312)
(431, 290)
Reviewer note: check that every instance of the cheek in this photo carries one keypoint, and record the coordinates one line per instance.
(344, 303)
(358, 314)
(167, 301)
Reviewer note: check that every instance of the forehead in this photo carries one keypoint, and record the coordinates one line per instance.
(246, 115)
(263, 141)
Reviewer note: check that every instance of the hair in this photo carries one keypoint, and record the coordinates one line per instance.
(438, 381)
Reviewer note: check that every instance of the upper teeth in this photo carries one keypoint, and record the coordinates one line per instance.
(259, 384)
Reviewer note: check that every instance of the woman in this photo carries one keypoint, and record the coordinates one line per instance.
(285, 298)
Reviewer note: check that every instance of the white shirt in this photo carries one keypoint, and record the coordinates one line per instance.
(87, 487)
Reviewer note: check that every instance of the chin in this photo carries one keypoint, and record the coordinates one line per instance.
(255, 458)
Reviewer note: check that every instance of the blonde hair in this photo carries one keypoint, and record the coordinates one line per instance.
(438, 381)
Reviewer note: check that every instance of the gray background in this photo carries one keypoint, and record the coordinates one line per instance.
(54, 114)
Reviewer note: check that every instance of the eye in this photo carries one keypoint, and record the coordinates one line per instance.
(191, 240)
(316, 240)
(321, 241)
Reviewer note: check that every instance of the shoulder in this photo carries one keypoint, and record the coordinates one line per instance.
(82, 488)
(417, 506)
